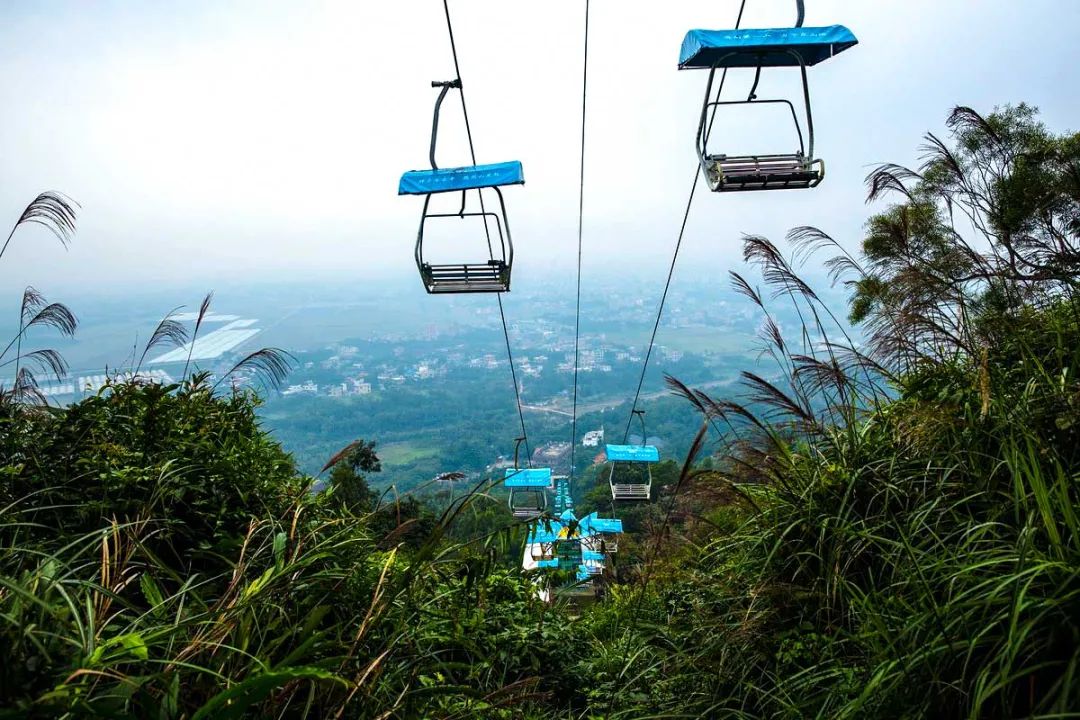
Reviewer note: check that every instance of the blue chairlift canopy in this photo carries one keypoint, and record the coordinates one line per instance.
(553, 563)
(527, 477)
(779, 47)
(582, 573)
(592, 555)
(473, 177)
(541, 534)
(594, 524)
(632, 453)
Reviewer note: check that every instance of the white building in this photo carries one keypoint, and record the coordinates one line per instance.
(308, 388)
(593, 438)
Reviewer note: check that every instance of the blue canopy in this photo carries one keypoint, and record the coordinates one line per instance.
(779, 47)
(553, 563)
(633, 453)
(546, 531)
(582, 573)
(592, 555)
(426, 182)
(594, 524)
(527, 478)
(543, 535)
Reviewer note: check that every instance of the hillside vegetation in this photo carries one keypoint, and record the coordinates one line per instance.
(884, 526)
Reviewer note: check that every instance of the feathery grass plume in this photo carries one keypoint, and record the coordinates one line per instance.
(52, 210)
(47, 361)
(890, 178)
(168, 332)
(773, 337)
(963, 118)
(741, 286)
(779, 402)
(270, 365)
(681, 389)
(341, 455)
(817, 376)
(57, 316)
(808, 241)
(36, 311)
(776, 270)
(32, 302)
(25, 390)
(204, 307)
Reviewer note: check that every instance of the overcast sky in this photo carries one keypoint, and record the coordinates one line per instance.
(207, 140)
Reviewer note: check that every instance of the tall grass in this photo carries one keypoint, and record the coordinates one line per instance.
(903, 552)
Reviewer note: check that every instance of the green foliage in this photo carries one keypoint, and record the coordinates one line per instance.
(347, 482)
(194, 464)
(900, 550)
(889, 530)
(159, 557)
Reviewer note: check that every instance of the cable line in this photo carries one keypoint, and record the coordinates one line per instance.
(651, 558)
(487, 232)
(581, 221)
(513, 375)
(675, 254)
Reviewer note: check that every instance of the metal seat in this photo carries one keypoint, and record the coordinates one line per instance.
(492, 276)
(629, 491)
(763, 172)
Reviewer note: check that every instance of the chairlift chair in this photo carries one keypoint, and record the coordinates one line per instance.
(485, 276)
(636, 460)
(541, 540)
(799, 47)
(603, 532)
(593, 562)
(528, 491)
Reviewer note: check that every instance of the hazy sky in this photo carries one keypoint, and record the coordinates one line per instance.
(208, 140)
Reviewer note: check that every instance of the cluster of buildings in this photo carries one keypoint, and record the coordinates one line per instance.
(351, 386)
(588, 361)
(593, 438)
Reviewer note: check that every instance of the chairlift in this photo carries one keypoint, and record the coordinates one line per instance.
(485, 276)
(528, 487)
(593, 562)
(528, 491)
(799, 47)
(603, 533)
(631, 467)
(541, 540)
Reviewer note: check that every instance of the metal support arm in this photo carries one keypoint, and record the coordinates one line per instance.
(446, 85)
